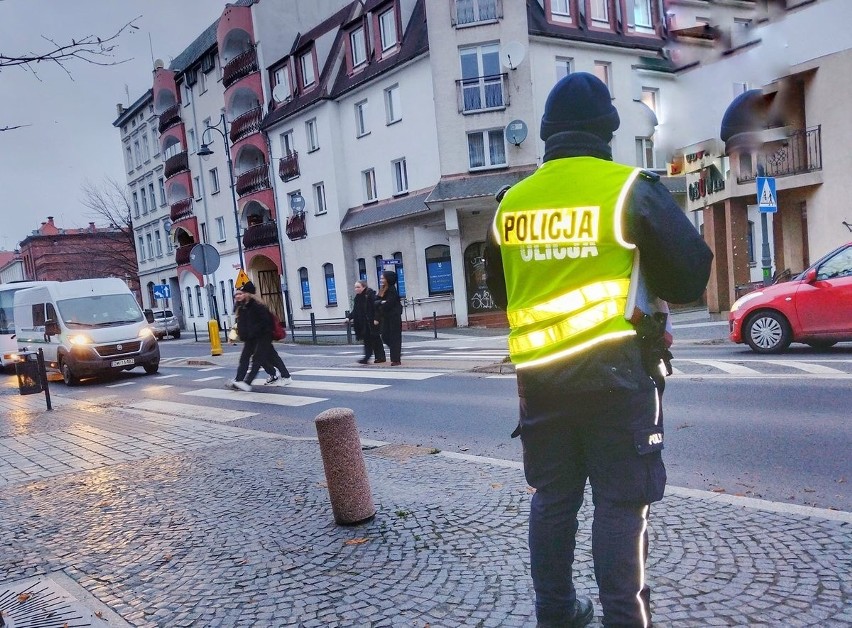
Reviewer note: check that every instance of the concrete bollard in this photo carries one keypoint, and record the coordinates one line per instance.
(345, 472)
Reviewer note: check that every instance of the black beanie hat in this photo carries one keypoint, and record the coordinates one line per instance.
(390, 277)
(249, 288)
(579, 102)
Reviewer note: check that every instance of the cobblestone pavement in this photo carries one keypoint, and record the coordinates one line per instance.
(183, 522)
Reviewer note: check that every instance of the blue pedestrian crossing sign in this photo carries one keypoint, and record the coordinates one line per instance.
(767, 199)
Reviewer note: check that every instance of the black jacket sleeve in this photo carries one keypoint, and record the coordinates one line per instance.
(675, 259)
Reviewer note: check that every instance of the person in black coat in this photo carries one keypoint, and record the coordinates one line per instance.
(387, 303)
(254, 325)
(365, 324)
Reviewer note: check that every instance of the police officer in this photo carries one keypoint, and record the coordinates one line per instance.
(560, 256)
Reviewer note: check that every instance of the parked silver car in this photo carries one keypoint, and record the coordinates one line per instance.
(165, 324)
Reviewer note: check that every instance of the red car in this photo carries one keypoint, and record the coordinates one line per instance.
(814, 307)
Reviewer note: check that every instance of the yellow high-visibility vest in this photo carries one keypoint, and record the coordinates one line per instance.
(566, 263)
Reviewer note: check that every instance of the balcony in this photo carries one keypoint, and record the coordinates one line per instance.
(180, 210)
(182, 254)
(253, 180)
(466, 12)
(169, 117)
(176, 163)
(242, 65)
(295, 229)
(288, 167)
(799, 153)
(245, 124)
(483, 93)
(264, 234)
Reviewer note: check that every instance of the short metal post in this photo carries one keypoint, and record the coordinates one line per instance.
(435, 324)
(314, 328)
(42, 373)
(194, 331)
(348, 329)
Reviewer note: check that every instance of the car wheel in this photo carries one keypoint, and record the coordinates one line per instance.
(68, 375)
(821, 344)
(768, 332)
(152, 368)
(176, 335)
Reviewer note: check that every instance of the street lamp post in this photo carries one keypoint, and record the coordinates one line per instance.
(206, 151)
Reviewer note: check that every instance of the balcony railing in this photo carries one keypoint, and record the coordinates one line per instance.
(242, 65)
(176, 163)
(253, 180)
(473, 11)
(180, 210)
(799, 153)
(182, 254)
(288, 167)
(169, 117)
(246, 123)
(295, 229)
(264, 234)
(483, 93)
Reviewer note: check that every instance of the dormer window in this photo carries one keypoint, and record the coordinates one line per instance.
(358, 47)
(306, 65)
(560, 10)
(600, 13)
(387, 29)
(281, 84)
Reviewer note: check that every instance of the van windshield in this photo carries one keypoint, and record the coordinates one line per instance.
(99, 311)
(7, 320)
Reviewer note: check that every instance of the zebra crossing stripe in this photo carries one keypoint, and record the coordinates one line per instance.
(368, 373)
(156, 387)
(807, 367)
(189, 411)
(120, 384)
(728, 367)
(207, 379)
(320, 385)
(253, 397)
(167, 376)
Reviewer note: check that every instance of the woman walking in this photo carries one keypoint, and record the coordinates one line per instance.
(363, 317)
(387, 302)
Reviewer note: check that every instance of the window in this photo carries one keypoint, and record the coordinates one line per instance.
(287, 146)
(642, 13)
(319, 198)
(600, 12)
(162, 183)
(560, 10)
(470, 11)
(214, 180)
(224, 297)
(281, 84)
(369, 178)
(486, 149)
(358, 47)
(199, 301)
(400, 274)
(204, 237)
(202, 87)
(644, 152)
(144, 198)
(482, 82)
(380, 266)
(361, 119)
(136, 204)
(146, 151)
(651, 97)
(152, 196)
(141, 249)
(220, 229)
(137, 157)
(128, 158)
(196, 183)
(158, 242)
(306, 63)
(393, 108)
(190, 134)
(150, 245)
(439, 269)
(330, 291)
(400, 176)
(231, 292)
(387, 29)
(603, 71)
(311, 134)
(563, 67)
(750, 243)
(187, 94)
(362, 269)
(155, 142)
(305, 287)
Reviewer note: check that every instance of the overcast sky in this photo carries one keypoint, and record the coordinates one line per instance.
(70, 138)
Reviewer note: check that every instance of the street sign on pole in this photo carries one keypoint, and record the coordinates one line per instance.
(767, 198)
(204, 258)
(162, 291)
(242, 279)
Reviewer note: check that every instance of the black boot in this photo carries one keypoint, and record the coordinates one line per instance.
(582, 615)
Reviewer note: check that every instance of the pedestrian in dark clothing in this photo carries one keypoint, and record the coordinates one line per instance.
(559, 260)
(387, 303)
(363, 317)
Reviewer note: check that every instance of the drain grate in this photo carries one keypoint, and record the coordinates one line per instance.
(42, 602)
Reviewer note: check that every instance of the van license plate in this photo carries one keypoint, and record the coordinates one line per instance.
(127, 362)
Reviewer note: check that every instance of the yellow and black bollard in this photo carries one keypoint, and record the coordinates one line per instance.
(215, 341)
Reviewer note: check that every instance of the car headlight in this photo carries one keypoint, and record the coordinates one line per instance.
(745, 298)
(145, 332)
(80, 339)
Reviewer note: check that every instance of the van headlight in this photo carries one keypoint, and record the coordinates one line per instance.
(145, 332)
(80, 339)
(745, 298)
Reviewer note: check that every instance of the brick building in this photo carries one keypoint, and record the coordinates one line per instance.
(52, 253)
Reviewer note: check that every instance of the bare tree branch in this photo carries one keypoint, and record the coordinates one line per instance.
(13, 127)
(109, 203)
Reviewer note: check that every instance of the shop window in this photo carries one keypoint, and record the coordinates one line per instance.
(439, 269)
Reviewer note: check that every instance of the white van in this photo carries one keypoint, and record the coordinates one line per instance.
(86, 327)
(8, 338)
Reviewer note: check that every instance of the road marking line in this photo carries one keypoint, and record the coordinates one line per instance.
(314, 384)
(167, 376)
(156, 387)
(727, 367)
(120, 384)
(190, 411)
(369, 373)
(807, 367)
(207, 379)
(796, 376)
(252, 397)
(210, 368)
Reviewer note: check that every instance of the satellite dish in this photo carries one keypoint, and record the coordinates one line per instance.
(280, 93)
(158, 64)
(512, 54)
(516, 132)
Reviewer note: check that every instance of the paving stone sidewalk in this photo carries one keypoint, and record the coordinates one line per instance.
(234, 528)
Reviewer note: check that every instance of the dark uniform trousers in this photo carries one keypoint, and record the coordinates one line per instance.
(602, 436)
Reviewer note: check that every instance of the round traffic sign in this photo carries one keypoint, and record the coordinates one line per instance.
(204, 258)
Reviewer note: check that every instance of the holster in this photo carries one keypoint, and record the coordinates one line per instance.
(650, 331)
